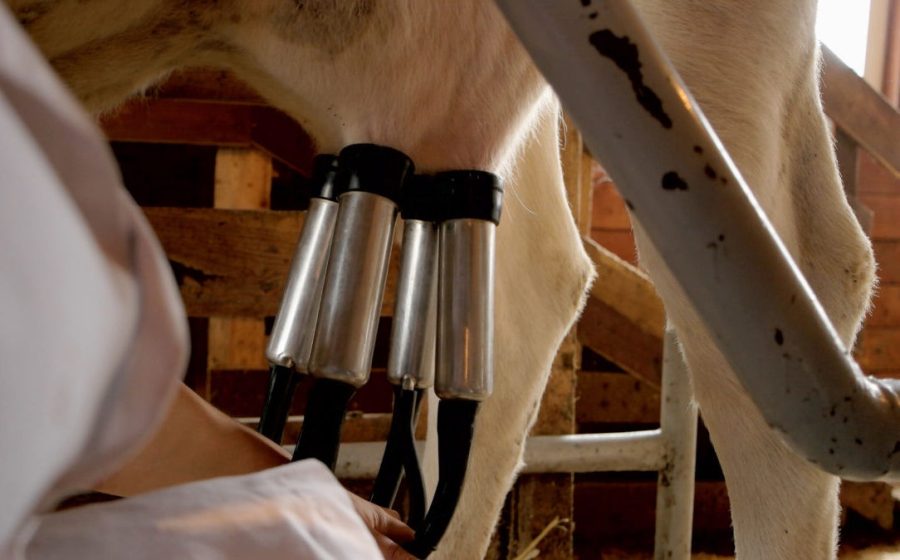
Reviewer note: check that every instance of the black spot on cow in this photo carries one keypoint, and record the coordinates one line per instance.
(625, 55)
(779, 337)
(721, 237)
(585, 3)
(698, 150)
(672, 181)
(710, 172)
(593, 15)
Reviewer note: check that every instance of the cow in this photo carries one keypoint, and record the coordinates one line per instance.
(449, 84)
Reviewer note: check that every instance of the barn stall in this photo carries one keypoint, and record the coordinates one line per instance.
(224, 180)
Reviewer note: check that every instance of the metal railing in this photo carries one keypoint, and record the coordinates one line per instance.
(781, 318)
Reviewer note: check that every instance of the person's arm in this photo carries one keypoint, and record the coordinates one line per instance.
(195, 442)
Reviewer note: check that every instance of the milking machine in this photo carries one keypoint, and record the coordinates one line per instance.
(370, 179)
(290, 343)
(412, 349)
(470, 203)
(443, 318)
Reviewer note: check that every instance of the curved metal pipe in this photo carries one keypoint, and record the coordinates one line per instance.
(703, 219)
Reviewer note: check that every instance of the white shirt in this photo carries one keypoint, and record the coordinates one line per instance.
(93, 340)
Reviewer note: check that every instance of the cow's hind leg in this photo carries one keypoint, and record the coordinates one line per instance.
(752, 67)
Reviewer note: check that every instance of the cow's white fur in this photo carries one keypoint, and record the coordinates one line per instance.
(447, 83)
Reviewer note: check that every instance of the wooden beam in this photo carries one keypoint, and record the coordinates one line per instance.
(608, 333)
(243, 180)
(626, 289)
(221, 124)
(228, 262)
(860, 111)
(235, 262)
(616, 398)
(624, 318)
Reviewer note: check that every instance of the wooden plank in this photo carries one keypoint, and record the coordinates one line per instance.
(235, 262)
(614, 398)
(860, 111)
(243, 180)
(885, 308)
(209, 123)
(873, 178)
(887, 255)
(624, 319)
(878, 350)
(607, 332)
(619, 242)
(627, 289)
(236, 343)
(609, 209)
(886, 219)
(228, 262)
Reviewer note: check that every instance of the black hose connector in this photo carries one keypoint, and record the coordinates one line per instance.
(320, 437)
(282, 385)
(420, 201)
(456, 426)
(323, 177)
(372, 168)
(468, 193)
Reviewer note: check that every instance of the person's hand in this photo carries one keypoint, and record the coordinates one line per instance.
(386, 527)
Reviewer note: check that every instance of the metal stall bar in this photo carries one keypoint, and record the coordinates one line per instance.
(675, 489)
(635, 112)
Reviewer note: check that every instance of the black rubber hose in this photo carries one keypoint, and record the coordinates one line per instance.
(320, 437)
(400, 455)
(415, 484)
(456, 426)
(282, 385)
(390, 472)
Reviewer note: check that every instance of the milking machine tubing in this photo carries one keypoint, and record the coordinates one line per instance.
(690, 199)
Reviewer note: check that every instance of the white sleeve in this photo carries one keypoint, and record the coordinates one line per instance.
(298, 511)
(93, 335)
